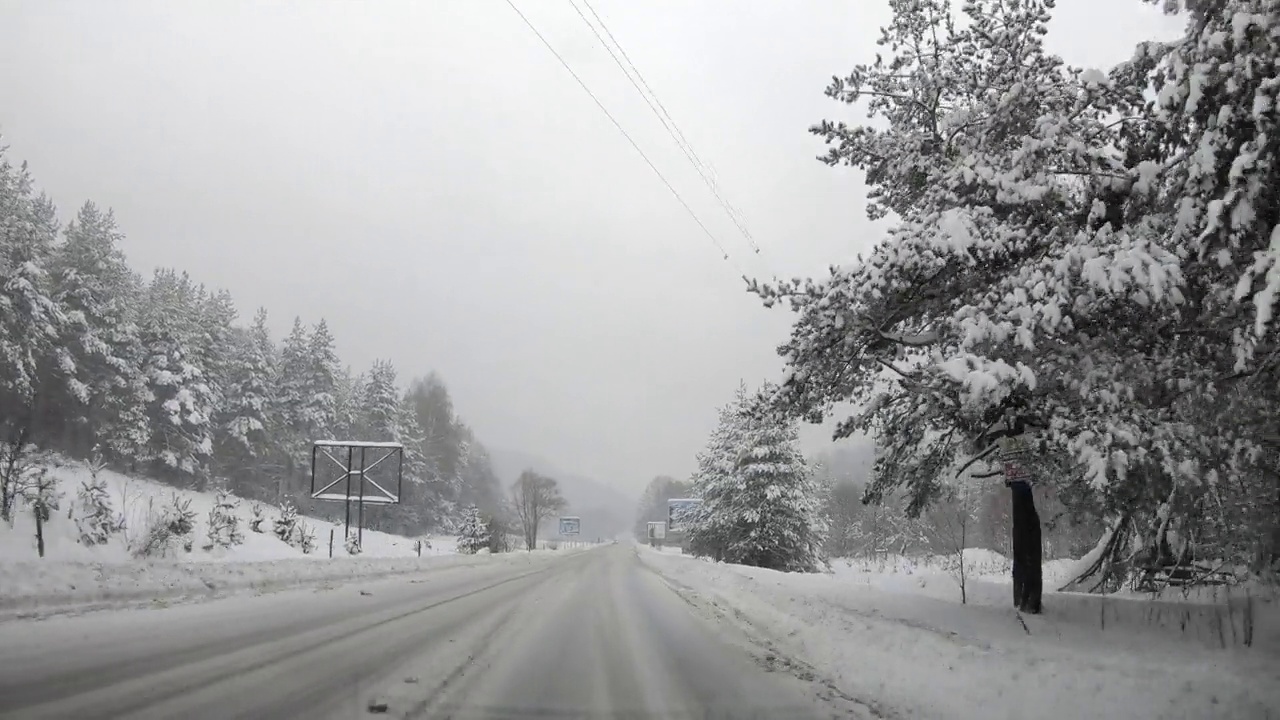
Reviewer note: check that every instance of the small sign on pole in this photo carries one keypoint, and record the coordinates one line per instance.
(570, 526)
(1013, 454)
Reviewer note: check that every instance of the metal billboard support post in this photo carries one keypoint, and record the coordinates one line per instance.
(346, 531)
(314, 449)
(379, 490)
(360, 524)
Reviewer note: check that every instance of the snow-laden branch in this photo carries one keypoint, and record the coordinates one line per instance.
(923, 339)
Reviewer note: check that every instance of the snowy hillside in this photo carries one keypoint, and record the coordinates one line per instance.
(76, 574)
(140, 502)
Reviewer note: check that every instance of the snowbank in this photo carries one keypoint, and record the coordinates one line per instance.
(901, 638)
(45, 588)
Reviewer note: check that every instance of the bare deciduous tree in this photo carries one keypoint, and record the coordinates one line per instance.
(951, 529)
(535, 498)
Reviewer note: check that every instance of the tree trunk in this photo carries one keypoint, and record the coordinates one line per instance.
(1027, 578)
(9, 473)
(40, 512)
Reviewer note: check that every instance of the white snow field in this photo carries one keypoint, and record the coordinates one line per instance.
(73, 575)
(895, 634)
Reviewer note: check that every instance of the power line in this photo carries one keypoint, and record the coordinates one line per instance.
(643, 81)
(704, 170)
(671, 130)
(617, 125)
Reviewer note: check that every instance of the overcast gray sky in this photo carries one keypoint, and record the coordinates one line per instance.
(427, 177)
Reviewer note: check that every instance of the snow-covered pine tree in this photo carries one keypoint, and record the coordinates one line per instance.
(30, 319)
(40, 492)
(291, 393)
(474, 534)
(181, 404)
(256, 517)
(1213, 93)
(479, 482)
(783, 527)
(444, 439)
(215, 314)
(1215, 121)
(378, 419)
(96, 520)
(224, 522)
(717, 482)
(308, 391)
(381, 403)
(181, 437)
(181, 520)
(1027, 275)
(272, 462)
(102, 404)
(347, 421)
(321, 382)
(285, 527)
(306, 537)
(246, 417)
(213, 348)
(292, 377)
(423, 489)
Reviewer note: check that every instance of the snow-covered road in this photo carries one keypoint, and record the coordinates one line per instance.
(589, 634)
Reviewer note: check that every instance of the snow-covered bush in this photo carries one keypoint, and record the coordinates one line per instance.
(154, 541)
(474, 534)
(353, 544)
(500, 541)
(224, 523)
(173, 524)
(501, 533)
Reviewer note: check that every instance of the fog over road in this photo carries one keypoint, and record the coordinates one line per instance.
(594, 633)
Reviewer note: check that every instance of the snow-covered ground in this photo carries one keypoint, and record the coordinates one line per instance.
(987, 573)
(74, 576)
(137, 498)
(897, 635)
